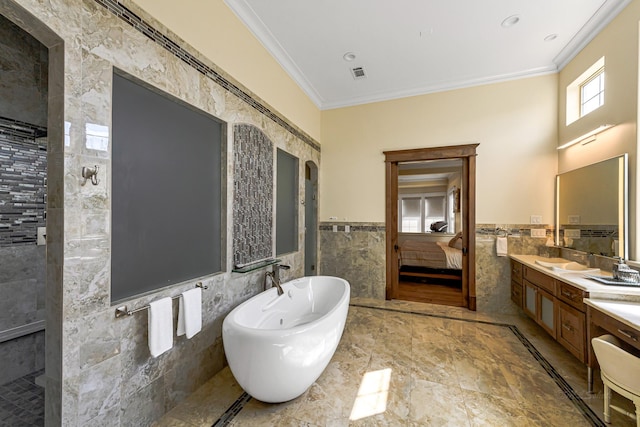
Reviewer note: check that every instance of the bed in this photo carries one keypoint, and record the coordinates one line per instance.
(427, 259)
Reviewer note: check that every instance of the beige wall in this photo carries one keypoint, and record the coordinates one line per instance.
(618, 43)
(215, 31)
(514, 122)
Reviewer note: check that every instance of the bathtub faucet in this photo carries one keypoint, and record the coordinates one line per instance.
(275, 276)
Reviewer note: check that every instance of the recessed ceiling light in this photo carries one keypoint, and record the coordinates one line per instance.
(510, 21)
(349, 56)
(551, 37)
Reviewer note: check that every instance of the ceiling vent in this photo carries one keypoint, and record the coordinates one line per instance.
(358, 73)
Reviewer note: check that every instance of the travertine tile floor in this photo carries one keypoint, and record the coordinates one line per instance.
(411, 364)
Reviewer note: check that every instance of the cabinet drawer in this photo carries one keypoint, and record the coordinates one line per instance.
(571, 330)
(543, 281)
(615, 327)
(516, 271)
(516, 293)
(572, 295)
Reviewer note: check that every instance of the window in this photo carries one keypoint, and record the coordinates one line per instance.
(419, 211)
(592, 93)
(586, 93)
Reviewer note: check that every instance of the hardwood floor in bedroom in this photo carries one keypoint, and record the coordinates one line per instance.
(430, 293)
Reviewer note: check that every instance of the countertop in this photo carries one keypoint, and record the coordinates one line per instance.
(623, 311)
(597, 291)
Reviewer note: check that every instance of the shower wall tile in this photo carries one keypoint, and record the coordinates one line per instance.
(24, 75)
(21, 356)
(23, 169)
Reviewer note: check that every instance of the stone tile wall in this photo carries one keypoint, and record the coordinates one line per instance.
(99, 370)
(359, 257)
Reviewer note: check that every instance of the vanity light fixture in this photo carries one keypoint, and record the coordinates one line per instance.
(586, 137)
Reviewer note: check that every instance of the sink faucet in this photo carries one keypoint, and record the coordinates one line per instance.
(275, 276)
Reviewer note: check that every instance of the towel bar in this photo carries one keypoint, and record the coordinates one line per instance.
(124, 311)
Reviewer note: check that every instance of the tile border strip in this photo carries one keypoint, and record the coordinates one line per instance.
(577, 401)
(184, 55)
(233, 410)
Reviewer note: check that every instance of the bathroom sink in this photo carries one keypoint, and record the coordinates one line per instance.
(567, 267)
(573, 267)
(550, 264)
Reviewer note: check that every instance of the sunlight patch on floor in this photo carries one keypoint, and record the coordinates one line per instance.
(372, 394)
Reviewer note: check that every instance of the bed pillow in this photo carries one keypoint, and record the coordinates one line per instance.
(456, 241)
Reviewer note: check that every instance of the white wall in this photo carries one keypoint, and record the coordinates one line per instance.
(618, 43)
(514, 122)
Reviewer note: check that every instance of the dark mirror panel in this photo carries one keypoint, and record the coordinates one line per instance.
(286, 203)
(166, 186)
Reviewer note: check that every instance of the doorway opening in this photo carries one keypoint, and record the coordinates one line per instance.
(41, 137)
(430, 225)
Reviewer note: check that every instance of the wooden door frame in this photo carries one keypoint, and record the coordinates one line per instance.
(467, 153)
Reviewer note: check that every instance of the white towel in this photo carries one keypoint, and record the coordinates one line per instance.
(160, 326)
(190, 312)
(501, 246)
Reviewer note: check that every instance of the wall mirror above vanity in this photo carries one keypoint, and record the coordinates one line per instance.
(592, 208)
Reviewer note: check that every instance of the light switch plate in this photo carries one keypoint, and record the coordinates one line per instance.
(574, 219)
(538, 232)
(573, 233)
(536, 219)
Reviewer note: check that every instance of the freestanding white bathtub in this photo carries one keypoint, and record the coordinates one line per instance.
(277, 346)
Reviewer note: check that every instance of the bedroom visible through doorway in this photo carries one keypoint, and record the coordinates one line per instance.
(430, 227)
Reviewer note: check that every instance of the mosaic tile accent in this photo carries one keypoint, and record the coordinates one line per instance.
(23, 173)
(145, 28)
(22, 402)
(355, 227)
(252, 195)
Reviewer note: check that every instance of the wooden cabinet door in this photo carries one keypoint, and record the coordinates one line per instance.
(546, 314)
(529, 302)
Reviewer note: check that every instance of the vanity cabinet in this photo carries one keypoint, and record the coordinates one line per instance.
(555, 305)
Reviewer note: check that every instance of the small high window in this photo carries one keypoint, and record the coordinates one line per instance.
(592, 93)
(586, 93)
